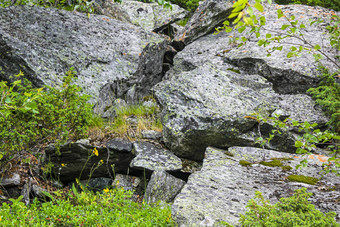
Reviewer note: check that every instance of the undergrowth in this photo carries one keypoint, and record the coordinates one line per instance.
(112, 207)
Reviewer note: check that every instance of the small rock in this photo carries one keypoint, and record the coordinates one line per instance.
(151, 158)
(151, 134)
(127, 182)
(118, 144)
(163, 187)
(7, 181)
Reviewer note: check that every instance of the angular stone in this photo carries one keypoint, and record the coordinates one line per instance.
(221, 190)
(163, 187)
(151, 134)
(209, 15)
(127, 182)
(45, 42)
(152, 158)
(119, 145)
(10, 181)
(73, 157)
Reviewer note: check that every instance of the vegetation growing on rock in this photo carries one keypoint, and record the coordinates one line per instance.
(303, 179)
(292, 211)
(274, 163)
(245, 163)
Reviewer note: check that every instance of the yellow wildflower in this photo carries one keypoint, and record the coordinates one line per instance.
(106, 190)
(62, 164)
(0, 218)
(101, 161)
(95, 152)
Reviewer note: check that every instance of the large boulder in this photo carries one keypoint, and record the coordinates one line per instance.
(45, 42)
(208, 94)
(221, 190)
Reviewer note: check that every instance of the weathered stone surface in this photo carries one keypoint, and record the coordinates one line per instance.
(131, 183)
(163, 187)
(120, 145)
(288, 75)
(151, 134)
(73, 157)
(151, 16)
(10, 181)
(45, 42)
(152, 158)
(209, 15)
(205, 99)
(221, 190)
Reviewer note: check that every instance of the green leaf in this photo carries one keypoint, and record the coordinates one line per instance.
(268, 36)
(298, 144)
(258, 6)
(317, 47)
(279, 14)
(241, 29)
(284, 27)
(8, 100)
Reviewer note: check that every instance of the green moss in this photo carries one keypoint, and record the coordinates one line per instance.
(274, 163)
(229, 153)
(283, 159)
(245, 163)
(286, 168)
(303, 179)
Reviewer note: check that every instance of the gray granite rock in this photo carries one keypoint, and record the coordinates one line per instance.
(163, 187)
(10, 181)
(209, 15)
(151, 134)
(119, 144)
(205, 98)
(109, 56)
(152, 158)
(221, 190)
(131, 183)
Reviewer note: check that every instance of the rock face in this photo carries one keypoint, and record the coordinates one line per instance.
(151, 158)
(163, 187)
(149, 16)
(209, 92)
(221, 190)
(45, 43)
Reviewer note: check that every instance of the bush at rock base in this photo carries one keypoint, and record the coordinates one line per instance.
(31, 116)
(292, 211)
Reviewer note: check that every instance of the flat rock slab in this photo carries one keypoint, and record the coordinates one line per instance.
(45, 42)
(152, 158)
(221, 190)
(163, 187)
(10, 181)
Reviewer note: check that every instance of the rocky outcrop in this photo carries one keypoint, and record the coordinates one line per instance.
(45, 42)
(221, 190)
(208, 93)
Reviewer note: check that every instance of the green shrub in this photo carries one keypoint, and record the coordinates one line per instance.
(190, 5)
(30, 116)
(327, 95)
(292, 211)
(111, 208)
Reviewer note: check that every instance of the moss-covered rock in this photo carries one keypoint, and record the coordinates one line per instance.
(303, 179)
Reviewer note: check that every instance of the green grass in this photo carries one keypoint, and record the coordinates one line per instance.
(110, 208)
